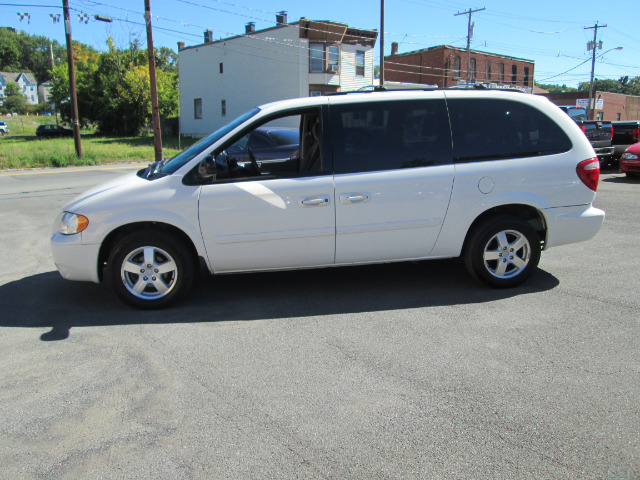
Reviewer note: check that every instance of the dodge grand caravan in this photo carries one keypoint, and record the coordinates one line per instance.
(494, 177)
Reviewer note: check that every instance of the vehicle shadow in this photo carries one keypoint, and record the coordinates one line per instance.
(48, 301)
(621, 179)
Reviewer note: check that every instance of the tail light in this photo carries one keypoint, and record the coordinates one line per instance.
(612, 131)
(589, 172)
(584, 130)
(636, 134)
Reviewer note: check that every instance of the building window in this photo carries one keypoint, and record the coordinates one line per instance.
(324, 58)
(619, 117)
(501, 73)
(487, 70)
(333, 58)
(526, 76)
(514, 74)
(473, 70)
(360, 63)
(197, 108)
(223, 108)
(316, 58)
(221, 67)
(456, 66)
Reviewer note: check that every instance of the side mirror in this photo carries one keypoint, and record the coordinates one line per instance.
(207, 168)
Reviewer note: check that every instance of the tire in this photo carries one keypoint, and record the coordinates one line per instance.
(149, 270)
(502, 252)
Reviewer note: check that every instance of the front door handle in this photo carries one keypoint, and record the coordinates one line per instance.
(315, 201)
(359, 197)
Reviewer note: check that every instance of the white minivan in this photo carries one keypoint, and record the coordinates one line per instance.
(384, 176)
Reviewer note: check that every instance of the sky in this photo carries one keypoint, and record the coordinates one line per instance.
(554, 34)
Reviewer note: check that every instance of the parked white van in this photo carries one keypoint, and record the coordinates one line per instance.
(389, 176)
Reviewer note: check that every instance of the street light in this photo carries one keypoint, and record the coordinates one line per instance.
(590, 107)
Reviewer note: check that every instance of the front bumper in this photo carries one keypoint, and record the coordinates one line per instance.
(74, 260)
(572, 224)
(629, 166)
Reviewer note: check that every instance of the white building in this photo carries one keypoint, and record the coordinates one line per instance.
(26, 82)
(222, 79)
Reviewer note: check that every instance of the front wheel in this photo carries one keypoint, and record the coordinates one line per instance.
(502, 252)
(150, 269)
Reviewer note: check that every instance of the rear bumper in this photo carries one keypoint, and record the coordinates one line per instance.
(572, 224)
(605, 153)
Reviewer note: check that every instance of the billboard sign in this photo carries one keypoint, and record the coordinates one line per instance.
(584, 102)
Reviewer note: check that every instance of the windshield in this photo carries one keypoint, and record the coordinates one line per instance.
(187, 155)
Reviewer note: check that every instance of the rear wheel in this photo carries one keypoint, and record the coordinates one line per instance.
(503, 251)
(149, 269)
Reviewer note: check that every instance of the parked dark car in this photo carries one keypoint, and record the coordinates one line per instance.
(630, 161)
(48, 131)
(275, 143)
(625, 134)
(599, 132)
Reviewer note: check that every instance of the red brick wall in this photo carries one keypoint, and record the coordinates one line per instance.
(435, 66)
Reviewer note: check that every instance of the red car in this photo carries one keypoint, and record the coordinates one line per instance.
(630, 161)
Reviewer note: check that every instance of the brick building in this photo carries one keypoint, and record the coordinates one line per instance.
(609, 106)
(445, 66)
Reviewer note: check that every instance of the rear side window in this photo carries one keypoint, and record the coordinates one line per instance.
(390, 135)
(578, 114)
(488, 129)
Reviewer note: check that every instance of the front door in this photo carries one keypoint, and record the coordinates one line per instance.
(273, 214)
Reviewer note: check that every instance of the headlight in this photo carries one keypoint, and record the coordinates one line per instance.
(630, 156)
(71, 223)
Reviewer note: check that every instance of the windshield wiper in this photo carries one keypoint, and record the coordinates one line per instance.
(154, 170)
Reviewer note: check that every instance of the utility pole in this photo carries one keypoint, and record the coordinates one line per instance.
(593, 46)
(382, 43)
(53, 65)
(469, 35)
(72, 80)
(155, 108)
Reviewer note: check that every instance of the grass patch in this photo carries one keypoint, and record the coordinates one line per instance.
(27, 151)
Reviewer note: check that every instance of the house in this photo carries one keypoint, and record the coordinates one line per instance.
(26, 82)
(44, 93)
(446, 66)
(222, 79)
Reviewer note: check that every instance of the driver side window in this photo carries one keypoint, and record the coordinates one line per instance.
(284, 147)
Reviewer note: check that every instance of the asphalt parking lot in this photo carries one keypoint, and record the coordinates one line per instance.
(406, 371)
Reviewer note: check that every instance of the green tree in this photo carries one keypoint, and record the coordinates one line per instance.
(555, 88)
(14, 100)
(9, 51)
(166, 60)
(624, 85)
(21, 52)
(113, 87)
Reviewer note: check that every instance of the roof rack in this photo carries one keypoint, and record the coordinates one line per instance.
(427, 88)
(379, 88)
(481, 86)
